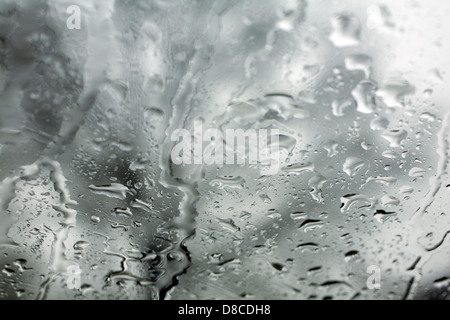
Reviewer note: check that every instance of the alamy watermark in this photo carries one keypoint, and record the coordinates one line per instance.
(74, 20)
(237, 146)
(73, 281)
(374, 280)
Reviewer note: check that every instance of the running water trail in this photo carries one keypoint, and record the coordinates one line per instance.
(73, 118)
(416, 223)
(181, 103)
(58, 263)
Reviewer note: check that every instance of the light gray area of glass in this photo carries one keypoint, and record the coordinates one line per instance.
(358, 90)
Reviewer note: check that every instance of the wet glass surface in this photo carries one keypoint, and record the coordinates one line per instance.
(93, 205)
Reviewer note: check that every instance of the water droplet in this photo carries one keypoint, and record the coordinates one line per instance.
(406, 190)
(265, 198)
(387, 181)
(394, 91)
(364, 96)
(382, 215)
(245, 215)
(299, 168)
(232, 182)
(366, 146)
(331, 147)
(379, 123)
(417, 172)
(95, 219)
(389, 201)
(379, 18)
(339, 106)
(8, 271)
(311, 224)
(139, 164)
(359, 62)
(346, 30)
(114, 190)
(427, 93)
(273, 214)
(352, 165)
(298, 215)
(286, 107)
(279, 267)
(123, 211)
(427, 117)
(229, 225)
(356, 202)
(395, 137)
(390, 154)
(351, 255)
(443, 282)
(316, 184)
(80, 245)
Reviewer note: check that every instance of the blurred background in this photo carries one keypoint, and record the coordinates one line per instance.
(356, 88)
